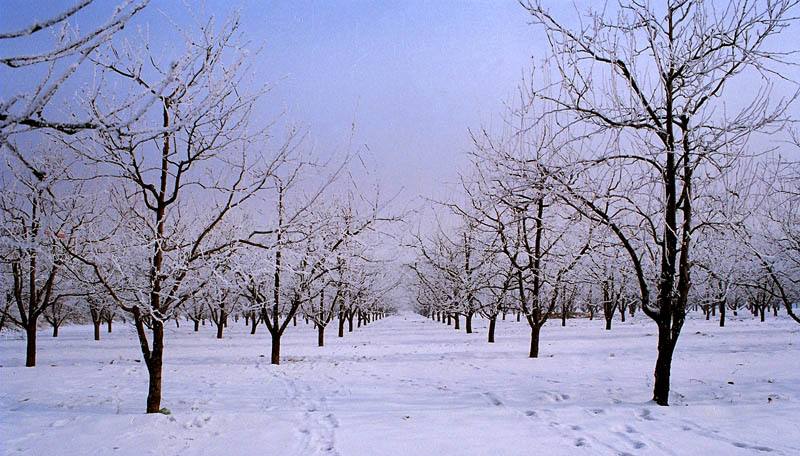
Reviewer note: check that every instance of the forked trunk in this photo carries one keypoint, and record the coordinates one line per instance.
(253, 324)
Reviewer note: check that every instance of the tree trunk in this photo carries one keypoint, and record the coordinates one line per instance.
(276, 349)
(342, 318)
(666, 346)
(518, 315)
(30, 352)
(108, 324)
(320, 335)
(622, 314)
(219, 330)
(563, 317)
(608, 322)
(253, 324)
(468, 319)
(458, 321)
(154, 363)
(492, 323)
(55, 330)
(722, 314)
(350, 323)
(761, 312)
(196, 325)
(96, 329)
(535, 341)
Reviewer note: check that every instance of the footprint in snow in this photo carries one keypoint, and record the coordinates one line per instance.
(493, 399)
(645, 415)
(752, 447)
(530, 413)
(332, 420)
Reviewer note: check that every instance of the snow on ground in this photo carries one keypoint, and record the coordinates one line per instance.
(407, 385)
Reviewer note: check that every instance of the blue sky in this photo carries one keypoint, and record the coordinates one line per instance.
(415, 75)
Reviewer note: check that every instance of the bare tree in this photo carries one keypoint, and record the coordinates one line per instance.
(41, 212)
(650, 79)
(175, 174)
(58, 58)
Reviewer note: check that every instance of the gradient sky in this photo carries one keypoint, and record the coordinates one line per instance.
(415, 74)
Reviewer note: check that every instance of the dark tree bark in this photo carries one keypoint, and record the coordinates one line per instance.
(321, 335)
(535, 329)
(666, 348)
(492, 324)
(275, 357)
(30, 351)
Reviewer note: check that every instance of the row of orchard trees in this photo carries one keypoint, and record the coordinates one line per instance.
(161, 189)
(633, 169)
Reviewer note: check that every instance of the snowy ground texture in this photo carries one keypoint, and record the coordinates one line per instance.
(410, 386)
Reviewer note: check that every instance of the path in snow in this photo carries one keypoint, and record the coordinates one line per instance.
(407, 385)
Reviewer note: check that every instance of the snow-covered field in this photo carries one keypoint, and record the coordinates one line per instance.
(410, 386)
